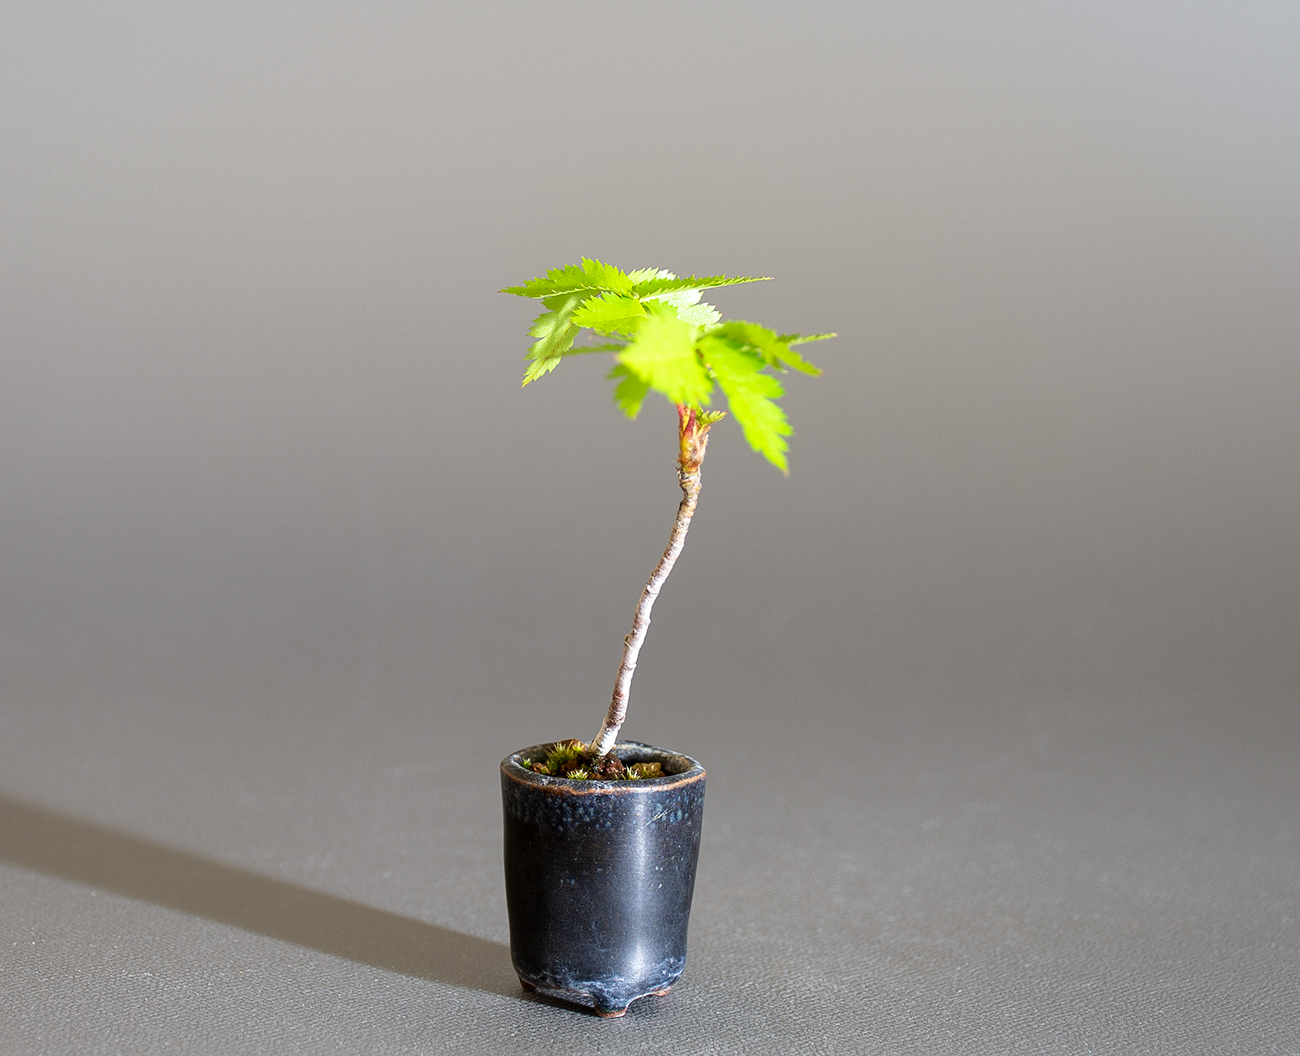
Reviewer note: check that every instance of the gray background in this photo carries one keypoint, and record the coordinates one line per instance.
(997, 691)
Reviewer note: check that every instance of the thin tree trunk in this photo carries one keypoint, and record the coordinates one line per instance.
(694, 438)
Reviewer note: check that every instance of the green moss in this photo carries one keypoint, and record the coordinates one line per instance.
(574, 760)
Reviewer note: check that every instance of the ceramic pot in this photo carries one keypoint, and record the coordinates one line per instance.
(599, 876)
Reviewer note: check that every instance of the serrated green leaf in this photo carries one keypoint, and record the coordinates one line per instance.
(774, 348)
(700, 315)
(606, 276)
(555, 332)
(568, 279)
(630, 392)
(537, 367)
(680, 298)
(752, 336)
(787, 356)
(591, 276)
(610, 313)
(663, 355)
(803, 339)
(792, 359)
(688, 306)
(643, 274)
(661, 284)
(662, 309)
(749, 394)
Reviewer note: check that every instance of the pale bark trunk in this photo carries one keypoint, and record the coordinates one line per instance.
(690, 482)
(694, 438)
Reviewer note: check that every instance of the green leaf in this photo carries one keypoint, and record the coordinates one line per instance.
(610, 313)
(679, 298)
(774, 348)
(749, 395)
(630, 392)
(752, 336)
(803, 339)
(661, 309)
(790, 358)
(591, 276)
(700, 315)
(644, 274)
(687, 305)
(663, 355)
(555, 332)
(609, 346)
(667, 283)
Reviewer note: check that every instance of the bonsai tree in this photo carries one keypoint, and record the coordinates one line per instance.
(663, 339)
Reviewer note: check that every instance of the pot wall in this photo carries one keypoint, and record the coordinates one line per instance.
(599, 876)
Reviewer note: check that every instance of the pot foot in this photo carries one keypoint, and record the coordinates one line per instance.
(528, 987)
(611, 1013)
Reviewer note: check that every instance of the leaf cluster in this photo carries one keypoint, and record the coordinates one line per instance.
(667, 340)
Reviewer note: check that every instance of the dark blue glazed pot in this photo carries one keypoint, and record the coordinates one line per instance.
(599, 877)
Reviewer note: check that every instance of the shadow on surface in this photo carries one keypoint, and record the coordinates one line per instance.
(42, 840)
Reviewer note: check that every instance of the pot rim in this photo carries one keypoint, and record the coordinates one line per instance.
(511, 767)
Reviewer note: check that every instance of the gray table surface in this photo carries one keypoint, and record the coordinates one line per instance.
(997, 692)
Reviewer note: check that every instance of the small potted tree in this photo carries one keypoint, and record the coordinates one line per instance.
(602, 837)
